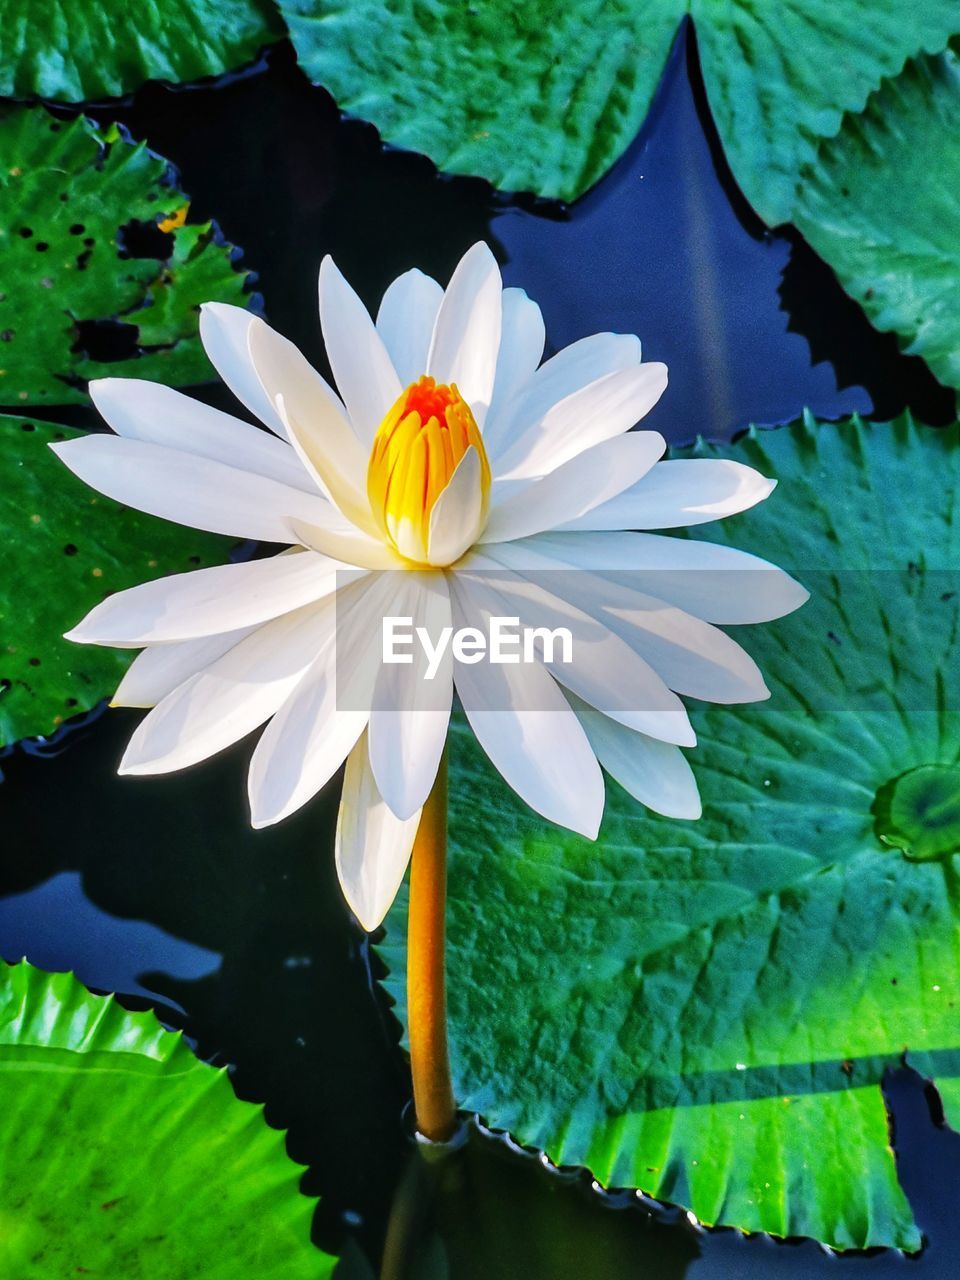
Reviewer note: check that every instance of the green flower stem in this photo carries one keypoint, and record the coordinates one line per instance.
(407, 1222)
(426, 969)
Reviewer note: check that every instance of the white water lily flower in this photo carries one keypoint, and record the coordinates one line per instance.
(454, 474)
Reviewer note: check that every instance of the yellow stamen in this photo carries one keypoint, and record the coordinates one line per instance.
(415, 453)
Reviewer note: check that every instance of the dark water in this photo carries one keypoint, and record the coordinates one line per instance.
(158, 889)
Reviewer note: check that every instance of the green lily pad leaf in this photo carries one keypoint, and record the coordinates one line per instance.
(75, 205)
(63, 548)
(124, 1154)
(544, 98)
(705, 1010)
(93, 50)
(899, 258)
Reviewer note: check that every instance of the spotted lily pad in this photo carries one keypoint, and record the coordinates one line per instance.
(899, 257)
(106, 48)
(706, 1010)
(544, 97)
(64, 547)
(125, 1155)
(84, 257)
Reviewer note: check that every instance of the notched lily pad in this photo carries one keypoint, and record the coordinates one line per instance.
(125, 1155)
(706, 1010)
(882, 205)
(87, 268)
(64, 547)
(543, 97)
(91, 49)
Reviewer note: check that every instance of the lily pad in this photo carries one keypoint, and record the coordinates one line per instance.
(63, 548)
(541, 97)
(706, 1010)
(82, 249)
(882, 205)
(93, 49)
(124, 1154)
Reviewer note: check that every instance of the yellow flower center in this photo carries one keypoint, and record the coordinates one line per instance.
(415, 453)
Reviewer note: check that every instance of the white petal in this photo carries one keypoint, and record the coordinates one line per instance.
(408, 723)
(522, 339)
(525, 725)
(653, 772)
(466, 338)
(314, 422)
(191, 490)
(163, 667)
(209, 601)
(366, 378)
(679, 492)
(156, 414)
(223, 332)
(691, 656)
(308, 739)
(599, 411)
(716, 583)
(344, 541)
(574, 367)
(606, 670)
(350, 501)
(232, 696)
(405, 321)
(457, 515)
(373, 847)
(573, 489)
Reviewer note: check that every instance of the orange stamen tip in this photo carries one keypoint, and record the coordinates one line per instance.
(428, 400)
